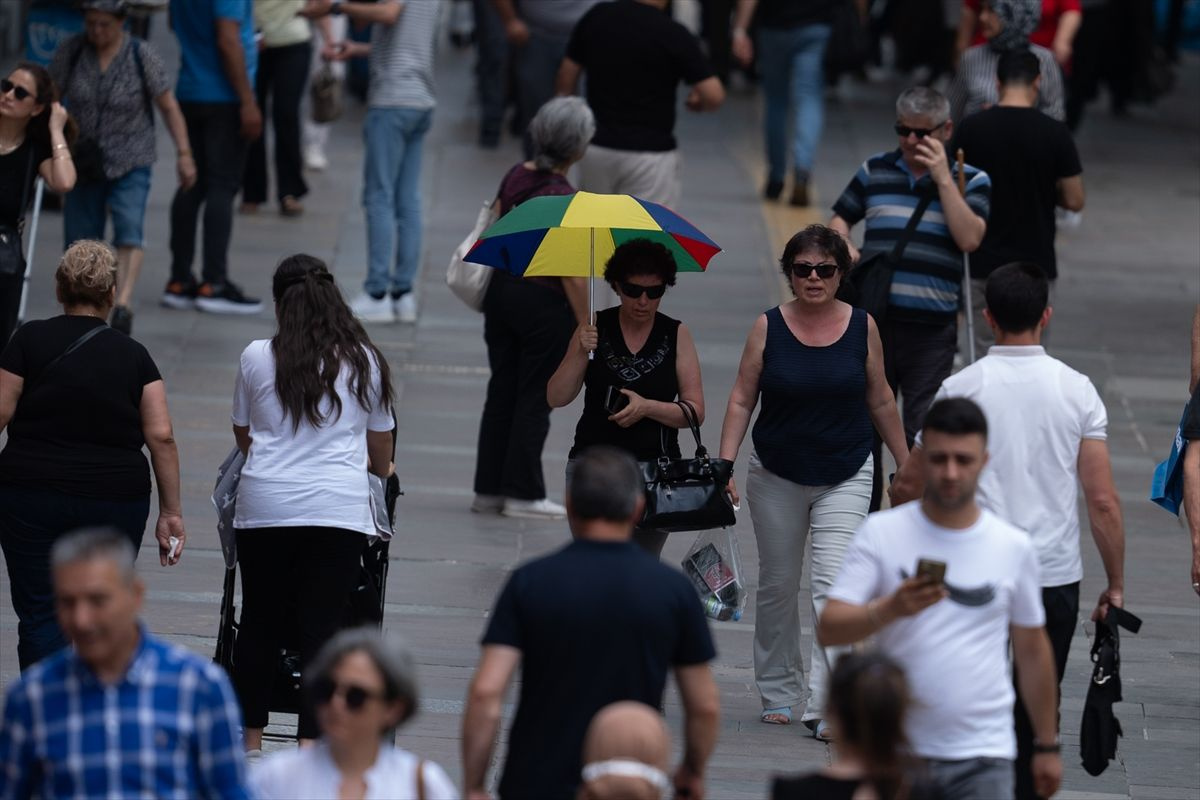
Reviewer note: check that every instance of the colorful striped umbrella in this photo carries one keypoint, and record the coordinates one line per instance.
(564, 236)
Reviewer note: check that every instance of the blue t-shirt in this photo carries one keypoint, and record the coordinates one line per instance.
(201, 76)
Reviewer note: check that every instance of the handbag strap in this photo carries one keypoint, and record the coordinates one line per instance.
(25, 191)
(911, 228)
(71, 348)
(693, 422)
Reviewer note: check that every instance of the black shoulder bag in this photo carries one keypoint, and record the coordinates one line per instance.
(12, 254)
(687, 494)
(868, 284)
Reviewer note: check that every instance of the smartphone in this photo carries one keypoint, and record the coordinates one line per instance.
(614, 401)
(928, 568)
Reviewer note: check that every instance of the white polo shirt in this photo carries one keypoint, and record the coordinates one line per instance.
(1038, 410)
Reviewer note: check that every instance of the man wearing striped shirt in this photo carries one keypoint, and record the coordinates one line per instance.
(121, 714)
(920, 332)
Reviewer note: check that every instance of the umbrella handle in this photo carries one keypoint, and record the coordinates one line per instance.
(592, 287)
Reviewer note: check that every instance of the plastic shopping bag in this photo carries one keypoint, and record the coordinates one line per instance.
(1166, 485)
(715, 568)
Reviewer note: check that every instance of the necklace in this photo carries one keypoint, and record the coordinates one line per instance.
(6, 147)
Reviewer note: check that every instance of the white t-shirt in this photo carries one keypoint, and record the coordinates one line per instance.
(310, 774)
(1038, 410)
(311, 475)
(955, 652)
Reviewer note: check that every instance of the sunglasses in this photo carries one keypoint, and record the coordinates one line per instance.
(903, 130)
(355, 697)
(19, 92)
(802, 270)
(633, 291)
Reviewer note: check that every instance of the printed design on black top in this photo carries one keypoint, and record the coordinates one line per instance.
(973, 598)
(630, 368)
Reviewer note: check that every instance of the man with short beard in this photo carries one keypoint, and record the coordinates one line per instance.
(951, 634)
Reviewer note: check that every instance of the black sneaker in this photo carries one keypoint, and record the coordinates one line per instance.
(180, 294)
(225, 298)
(772, 190)
(122, 320)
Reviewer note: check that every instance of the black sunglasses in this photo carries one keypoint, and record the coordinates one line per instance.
(355, 697)
(633, 291)
(802, 270)
(903, 130)
(20, 92)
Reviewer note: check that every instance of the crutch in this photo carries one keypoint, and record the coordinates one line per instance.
(39, 190)
(962, 189)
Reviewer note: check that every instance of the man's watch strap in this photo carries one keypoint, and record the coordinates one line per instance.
(336, 8)
(1050, 747)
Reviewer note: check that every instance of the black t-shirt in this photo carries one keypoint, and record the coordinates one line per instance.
(1025, 152)
(13, 169)
(650, 372)
(77, 430)
(635, 57)
(1190, 429)
(596, 622)
(793, 13)
(818, 786)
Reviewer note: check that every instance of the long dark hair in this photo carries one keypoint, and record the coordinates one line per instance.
(868, 694)
(37, 129)
(317, 335)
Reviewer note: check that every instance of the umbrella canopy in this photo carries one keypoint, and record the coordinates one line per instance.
(565, 236)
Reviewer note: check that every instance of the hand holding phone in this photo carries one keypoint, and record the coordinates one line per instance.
(615, 400)
(929, 568)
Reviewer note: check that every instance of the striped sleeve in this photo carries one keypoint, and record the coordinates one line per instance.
(979, 193)
(852, 204)
(1050, 90)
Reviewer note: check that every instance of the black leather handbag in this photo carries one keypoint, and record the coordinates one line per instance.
(687, 494)
(12, 253)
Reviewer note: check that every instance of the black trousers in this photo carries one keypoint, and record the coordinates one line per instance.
(527, 327)
(282, 77)
(1062, 615)
(916, 359)
(293, 579)
(10, 304)
(220, 153)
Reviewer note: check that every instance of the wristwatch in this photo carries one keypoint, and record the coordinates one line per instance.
(1054, 747)
(336, 8)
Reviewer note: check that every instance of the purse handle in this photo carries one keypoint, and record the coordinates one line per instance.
(693, 423)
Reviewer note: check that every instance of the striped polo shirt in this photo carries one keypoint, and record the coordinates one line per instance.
(401, 60)
(928, 277)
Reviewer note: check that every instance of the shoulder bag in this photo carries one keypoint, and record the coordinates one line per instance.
(12, 254)
(868, 284)
(687, 494)
(325, 91)
(71, 348)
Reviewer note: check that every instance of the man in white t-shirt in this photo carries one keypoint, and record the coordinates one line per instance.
(951, 635)
(1048, 436)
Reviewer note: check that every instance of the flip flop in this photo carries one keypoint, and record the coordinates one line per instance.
(820, 731)
(777, 716)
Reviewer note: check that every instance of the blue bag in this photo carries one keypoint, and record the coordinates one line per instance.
(1166, 487)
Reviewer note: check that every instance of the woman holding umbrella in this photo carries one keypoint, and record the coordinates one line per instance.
(643, 361)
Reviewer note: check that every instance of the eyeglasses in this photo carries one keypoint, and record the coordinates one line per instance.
(824, 270)
(633, 291)
(903, 130)
(19, 92)
(355, 697)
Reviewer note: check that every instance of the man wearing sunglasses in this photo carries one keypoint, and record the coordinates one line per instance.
(920, 330)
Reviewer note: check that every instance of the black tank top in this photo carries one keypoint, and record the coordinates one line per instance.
(813, 428)
(650, 373)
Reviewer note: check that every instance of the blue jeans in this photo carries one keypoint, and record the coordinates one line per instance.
(790, 61)
(394, 138)
(31, 520)
(87, 205)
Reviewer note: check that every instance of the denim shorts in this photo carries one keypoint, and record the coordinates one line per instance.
(87, 206)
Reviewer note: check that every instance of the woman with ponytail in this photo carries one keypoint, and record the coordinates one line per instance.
(868, 701)
(312, 413)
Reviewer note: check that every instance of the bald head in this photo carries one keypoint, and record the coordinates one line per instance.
(625, 754)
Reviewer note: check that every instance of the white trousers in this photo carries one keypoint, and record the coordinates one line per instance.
(784, 513)
(652, 176)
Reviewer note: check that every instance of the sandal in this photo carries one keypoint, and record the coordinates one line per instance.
(820, 731)
(777, 716)
(290, 207)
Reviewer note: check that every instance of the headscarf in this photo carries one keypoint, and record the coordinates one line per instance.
(1020, 18)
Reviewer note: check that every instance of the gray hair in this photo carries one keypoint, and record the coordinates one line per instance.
(390, 656)
(921, 101)
(560, 132)
(95, 544)
(606, 484)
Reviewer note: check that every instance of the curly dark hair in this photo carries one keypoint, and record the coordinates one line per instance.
(640, 257)
(819, 238)
(317, 334)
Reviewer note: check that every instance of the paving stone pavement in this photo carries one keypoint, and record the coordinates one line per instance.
(1130, 278)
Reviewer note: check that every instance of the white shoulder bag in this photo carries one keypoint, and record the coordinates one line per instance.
(468, 281)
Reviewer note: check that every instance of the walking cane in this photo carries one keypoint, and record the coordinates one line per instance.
(38, 191)
(962, 189)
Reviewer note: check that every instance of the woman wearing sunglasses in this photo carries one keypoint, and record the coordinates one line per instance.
(363, 688)
(816, 363)
(643, 361)
(32, 143)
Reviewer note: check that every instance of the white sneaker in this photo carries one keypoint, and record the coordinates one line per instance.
(488, 504)
(405, 308)
(368, 309)
(253, 756)
(315, 159)
(533, 509)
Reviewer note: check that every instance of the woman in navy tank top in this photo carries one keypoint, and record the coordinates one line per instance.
(816, 364)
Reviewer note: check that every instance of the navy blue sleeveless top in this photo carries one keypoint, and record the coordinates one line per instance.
(813, 427)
